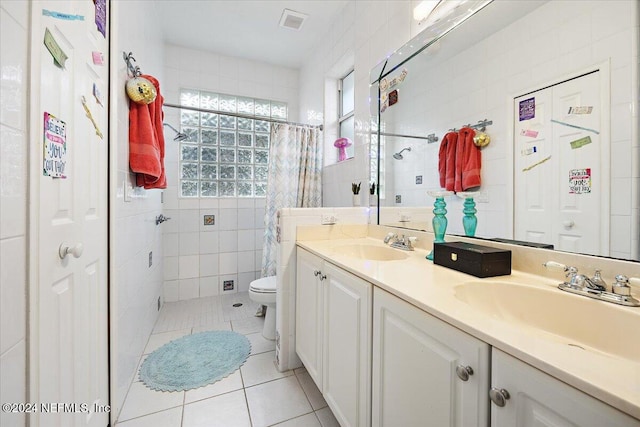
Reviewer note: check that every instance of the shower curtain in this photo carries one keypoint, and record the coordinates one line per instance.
(294, 180)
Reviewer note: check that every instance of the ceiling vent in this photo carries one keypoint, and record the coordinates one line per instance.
(292, 19)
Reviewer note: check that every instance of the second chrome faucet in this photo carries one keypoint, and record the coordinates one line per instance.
(595, 287)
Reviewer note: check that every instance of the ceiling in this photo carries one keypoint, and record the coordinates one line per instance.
(247, 28)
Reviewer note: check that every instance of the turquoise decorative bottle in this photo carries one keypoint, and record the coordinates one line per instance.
(469, 220)
(439, 220)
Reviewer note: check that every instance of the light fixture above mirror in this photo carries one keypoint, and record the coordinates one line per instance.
(429, 12)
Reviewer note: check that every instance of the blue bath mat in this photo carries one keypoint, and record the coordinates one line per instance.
(195, 360)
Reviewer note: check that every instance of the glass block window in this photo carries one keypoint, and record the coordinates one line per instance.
(225, 156)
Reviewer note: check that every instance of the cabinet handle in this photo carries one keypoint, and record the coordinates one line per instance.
(464, 372)
(316, 272)
(499, 396)
(322, 277)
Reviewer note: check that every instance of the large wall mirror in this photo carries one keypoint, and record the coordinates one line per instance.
(553, 85)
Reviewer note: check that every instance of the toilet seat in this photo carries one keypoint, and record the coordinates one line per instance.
(265, 285)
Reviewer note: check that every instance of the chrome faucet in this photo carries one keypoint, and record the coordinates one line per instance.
(405, 243)
(595, 287)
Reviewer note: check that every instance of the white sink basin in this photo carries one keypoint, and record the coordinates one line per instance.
(370, 252)
(580, 321)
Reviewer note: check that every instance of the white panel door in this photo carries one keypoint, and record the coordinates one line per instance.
(69, 341)
(580, 198)
(534, 187)
(539, 400)
(561, 164)
(415, 359)
(347, 346)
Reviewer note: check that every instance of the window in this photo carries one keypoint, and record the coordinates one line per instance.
(346, 98)
(225, 156)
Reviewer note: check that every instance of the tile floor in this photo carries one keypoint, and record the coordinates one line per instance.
(256, 395)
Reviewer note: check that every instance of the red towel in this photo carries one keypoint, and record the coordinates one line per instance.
(146, 141)
(468, 161)
(447, 160)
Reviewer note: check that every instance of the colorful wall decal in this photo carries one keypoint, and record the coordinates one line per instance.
(101, 16)
(97, 95)
(98, 58)
(54, 147)
(59, 57)
(574, 126)
(529, 133)
(580, 181)
(528, 168)
(90, 116)
(580, 110)
(527, 109)
(64, 16)
(580, 142)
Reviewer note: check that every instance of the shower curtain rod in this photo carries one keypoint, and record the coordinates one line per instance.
(242, 116)
(429, 138)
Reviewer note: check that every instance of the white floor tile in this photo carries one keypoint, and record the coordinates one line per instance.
(220, 326)
(227, 410)
(231, 383)
(248, 325)
(168, 418)
(311, 390)
(141, 400)
(261, 368)
(158, 340)
(309, 420)
(276, 401)
(326, 417)
(274, 398)
(247, 309)
(260, 344)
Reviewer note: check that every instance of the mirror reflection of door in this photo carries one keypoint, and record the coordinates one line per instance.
(561, 166)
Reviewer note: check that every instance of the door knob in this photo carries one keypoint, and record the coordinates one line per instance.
(65, 250)
(499, 396)
(464, 372)
(568, 224)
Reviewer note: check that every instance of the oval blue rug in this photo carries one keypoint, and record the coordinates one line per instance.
(195, 360)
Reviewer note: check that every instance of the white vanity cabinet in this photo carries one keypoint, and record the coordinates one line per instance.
(537, 399)
(309, 313)
(333, 336)
(425, 371)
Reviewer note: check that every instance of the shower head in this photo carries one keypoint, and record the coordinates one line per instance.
(179, 135)
(398, 155)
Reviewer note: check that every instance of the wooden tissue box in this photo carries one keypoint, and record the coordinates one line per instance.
(477, 260)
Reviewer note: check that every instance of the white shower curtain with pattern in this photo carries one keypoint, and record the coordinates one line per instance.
(294, 180)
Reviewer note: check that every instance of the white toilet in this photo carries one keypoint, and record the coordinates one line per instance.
(263, 291)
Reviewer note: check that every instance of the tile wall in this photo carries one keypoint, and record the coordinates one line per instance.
(14, 81)
(135, 286)
(198, 258)
(362, 35)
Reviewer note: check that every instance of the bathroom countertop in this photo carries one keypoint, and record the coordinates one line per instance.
(613, 380)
